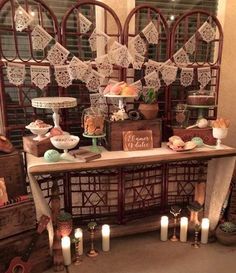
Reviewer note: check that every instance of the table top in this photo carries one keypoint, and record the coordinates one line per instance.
(37, 165)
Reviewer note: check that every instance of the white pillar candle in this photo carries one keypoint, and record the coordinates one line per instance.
(183, 229)
(164, 228)
(105, 237)
(205, 230)
(79, 235)
(65, 244)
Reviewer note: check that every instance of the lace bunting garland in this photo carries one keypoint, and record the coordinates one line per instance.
(103, 65)
(186, 76)
(190, 45)
(152, 66)
(98, 38)
(181, 57)
(16, 73)
(151, 34)
(114, 46)
(121, 56)
(22, 19)
(57, 54)
(204, 76)
(77, 69)
(207, 32)
(62, 75)
(138, 45)
(169, 73)
(40, 38)
(98, 101)
(94, 81)
(152, 80)
(40, 76)
(84, 23)
(138, 61)
(138, 85)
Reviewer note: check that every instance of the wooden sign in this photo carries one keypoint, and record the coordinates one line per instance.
(137, 140)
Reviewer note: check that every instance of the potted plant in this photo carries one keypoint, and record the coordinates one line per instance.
(64, 223)
(148, 106)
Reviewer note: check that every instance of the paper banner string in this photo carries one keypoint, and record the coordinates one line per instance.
(169, 73)
(62, 75)
(77, 69)
(152, 66)
(190, 45)
(57, 54)
(152, 80)
(94, 81)
(40, 76)
(207, 32)
(138, 85)
(181, 57)
(204, 76)
(84, 23)
(186, 76)
(16, 73)
(40, 38)
(121, 56)
(151, 34)
(104, 66)
(22, 19)
(114, 46)
(98, 38)
(138, 61)
(138, 45)
(98, 101)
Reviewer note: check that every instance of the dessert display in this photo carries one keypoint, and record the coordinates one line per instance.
(220, 130)
(38, 123)
(177, 144)
(120, 89)
(39, 128)
(93, 121)
(201, 97)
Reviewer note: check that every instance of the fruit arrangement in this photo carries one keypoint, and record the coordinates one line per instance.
(120, 89)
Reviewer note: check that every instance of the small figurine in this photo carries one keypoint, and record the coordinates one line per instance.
(119, 115)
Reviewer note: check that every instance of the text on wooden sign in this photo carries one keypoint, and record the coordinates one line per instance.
(137, 140)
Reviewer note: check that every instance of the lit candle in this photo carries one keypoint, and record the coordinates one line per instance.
(205, 230)
(164, 228)
(65, 244)
(183, 229)
(105, 237)
(79, 235)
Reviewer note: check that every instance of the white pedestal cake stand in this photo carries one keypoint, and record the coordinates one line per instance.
(54, 103)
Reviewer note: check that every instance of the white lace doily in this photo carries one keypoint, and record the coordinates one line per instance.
(207, 32)
(169, 73)
(152, 66)
(103, 65)
(138, 61)
(94, 81)
(152, 80)
(40, 38)
(181, 57)
(84, 23)
(98, 38)
(40, 75)
(204, 76)
(57, 54)
(77, 69)
(190, 45)
(16, 73)
(151, 34)
(22, 19)
(121, 56)
(138, 45)
(62, 75)
(186, 76)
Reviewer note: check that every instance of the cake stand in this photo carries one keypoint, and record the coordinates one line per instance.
(202, 109)
(121, 99)
(95, 148)
(54, 103)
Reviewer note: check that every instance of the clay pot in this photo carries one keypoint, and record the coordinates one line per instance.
(149, 111)
(64, 224)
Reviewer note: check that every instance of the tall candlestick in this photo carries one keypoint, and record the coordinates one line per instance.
(183, 229)
(79, 235)
(65, 244)
(205, 230)
(164, 228)
(105, 237)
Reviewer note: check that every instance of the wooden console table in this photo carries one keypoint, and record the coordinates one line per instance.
(220, 166)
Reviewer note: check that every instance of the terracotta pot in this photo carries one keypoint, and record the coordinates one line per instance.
(65, 227)
(149, 111)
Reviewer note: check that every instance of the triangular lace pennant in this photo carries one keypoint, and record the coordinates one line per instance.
(138, 85)
(121, 56)
(204, 76)
(152, 66)
(138, 45)
(190, 45)
(207, 32)
(152, 80)
(98, 101)
(104, 66)
(151, 34)
(16, 73)
(186, 76)
(40, 38)
(84, 23)
(98, 35)
(138, 61)
(62, 75)
(22, 19)
(57, 54)
(169, 73)
(40, 75)
(94, 81)
(114, 46)
(77, 69)
(181, 57)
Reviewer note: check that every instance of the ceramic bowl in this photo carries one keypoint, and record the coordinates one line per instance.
(64, 142)
(40, 132)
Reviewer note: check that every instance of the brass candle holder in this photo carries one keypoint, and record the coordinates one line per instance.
(78, 259)
(175, 211)
(196, 243)
(92, 252)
